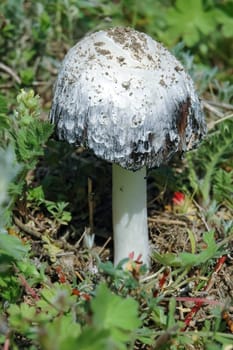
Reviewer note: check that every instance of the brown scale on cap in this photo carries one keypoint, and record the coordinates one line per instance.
(182, 120)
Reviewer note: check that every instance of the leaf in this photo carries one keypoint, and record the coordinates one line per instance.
(223, 187)
(113, 313)
(21, 316)
(188, 259)
(61, 333)
(56, 299)
(171, 313)
(159, 316)
(36, 194)
(168, 259)
(57, 209)
(12, 246)
(30, 141)
(3, 104)
(227, 22)
(115, 271)
(27, 75)
(188, 19)
(92, 339)
(4, 119)
(208, 253)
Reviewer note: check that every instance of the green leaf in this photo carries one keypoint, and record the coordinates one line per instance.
(10, 289)
(21, 316)
(171, 313)
(92, 339)
(223, 187)
(159, 316)
(57, 209)
(227, 22)
(168, 259)
(113, 313)
(36, 194)
(12, 247)
(56, 299)
(3, 104)
(27, 75)
(188, 259)
(187, 20)
(61, 333)
(30, 141)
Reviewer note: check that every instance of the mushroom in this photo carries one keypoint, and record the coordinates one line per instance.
(125, 97)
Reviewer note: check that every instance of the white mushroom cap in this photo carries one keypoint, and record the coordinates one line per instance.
(124, 96)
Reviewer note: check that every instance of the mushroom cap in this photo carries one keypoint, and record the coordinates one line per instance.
(124, 96)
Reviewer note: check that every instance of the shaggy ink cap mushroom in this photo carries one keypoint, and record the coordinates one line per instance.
(124, 96)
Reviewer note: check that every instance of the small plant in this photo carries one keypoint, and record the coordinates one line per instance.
(56, 209)
(27, 135)
(12, 253)
(205, 167)
(222, 187)
(29, 132)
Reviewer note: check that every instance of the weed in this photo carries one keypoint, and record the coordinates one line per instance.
(206, 171)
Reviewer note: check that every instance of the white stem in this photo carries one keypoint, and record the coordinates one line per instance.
(129, 206)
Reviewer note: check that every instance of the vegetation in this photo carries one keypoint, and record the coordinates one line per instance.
(58, 287)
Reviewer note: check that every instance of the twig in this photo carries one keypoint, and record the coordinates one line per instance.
(212, 124)
(105, 245)
(217, 268)
(26, 229)
(212, 109)
(153, 276)
(219, 104)
(61, 254)
(39, 83)
(79, 276)
(167, 221)
(200, 300)
(34, 83)
(77, 244)
(29, 290)
(6, 345)
(62, 243)
(6, 86)
(9, 71)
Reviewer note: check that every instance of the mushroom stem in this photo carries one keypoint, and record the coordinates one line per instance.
(129, 206)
